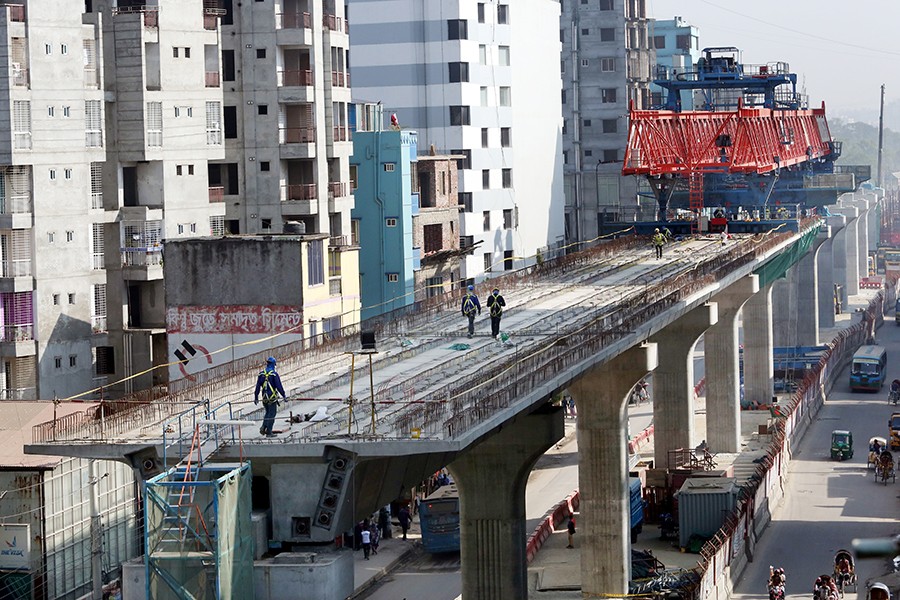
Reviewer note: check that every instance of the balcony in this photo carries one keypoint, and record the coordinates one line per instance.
(299, 191)
(337, 241)
(217, 194)
(210, 21)
(298, 135)
(298, 20)
(16, 12)
(19, 76)
(17, 333)
(333, 23)
(91, 81)
(212, 79)
(150, 14)
(15, 268)
(98, 324)
(295, 78)
(337, 79)
(19, 204)
(337, 189)
(341, 133)
(29, 393)
(142, 264)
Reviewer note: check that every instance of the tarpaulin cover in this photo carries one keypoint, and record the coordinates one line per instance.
(778, 266)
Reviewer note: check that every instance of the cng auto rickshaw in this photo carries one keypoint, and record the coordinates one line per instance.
(841, 444)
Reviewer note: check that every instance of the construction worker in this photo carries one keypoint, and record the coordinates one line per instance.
(269, 383)
(495, 304)
(471, 306)
(658, 240)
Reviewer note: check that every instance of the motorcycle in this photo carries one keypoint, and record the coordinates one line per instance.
(776, 583)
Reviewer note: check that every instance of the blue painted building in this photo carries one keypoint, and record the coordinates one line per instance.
(381, 172)
(677, 45)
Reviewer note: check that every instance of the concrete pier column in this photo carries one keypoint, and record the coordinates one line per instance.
(808, 291)
(784, 315)
(673, 381)
(825, 267)
(862, 237)
(601, 395)
(491, 479)
(759, 377)
(849, 256)
(720, 355)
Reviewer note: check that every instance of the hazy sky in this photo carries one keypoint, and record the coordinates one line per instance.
(841, 51)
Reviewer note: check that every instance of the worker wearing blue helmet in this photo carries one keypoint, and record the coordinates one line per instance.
(471, 306)
(269, 383)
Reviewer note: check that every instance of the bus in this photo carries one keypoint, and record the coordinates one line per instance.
(867, 370)
(439, 520)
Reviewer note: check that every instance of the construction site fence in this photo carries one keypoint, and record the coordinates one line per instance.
(724, 557)
(453, 409)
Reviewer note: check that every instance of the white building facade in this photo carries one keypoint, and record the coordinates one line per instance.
(482, 80)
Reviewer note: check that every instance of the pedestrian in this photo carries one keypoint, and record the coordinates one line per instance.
(658, 241)
(374, 537)
(366, 542)
(471, 306)
(384, 522)
(570, 404)
(403, 517)
(495, 305)
(269, 383)
(570, 526)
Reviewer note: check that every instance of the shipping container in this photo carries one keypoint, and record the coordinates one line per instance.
(703, 505)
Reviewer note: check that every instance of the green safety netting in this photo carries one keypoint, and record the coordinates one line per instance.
(778, 266)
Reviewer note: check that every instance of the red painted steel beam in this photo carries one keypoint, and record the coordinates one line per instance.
(762, 140)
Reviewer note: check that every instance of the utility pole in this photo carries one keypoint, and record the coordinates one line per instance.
(880, 135)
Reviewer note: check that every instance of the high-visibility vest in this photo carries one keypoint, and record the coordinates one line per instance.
(269, 393)
(469, 304)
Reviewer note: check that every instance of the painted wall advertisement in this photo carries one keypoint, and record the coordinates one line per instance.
(15, 547)
(201, 337)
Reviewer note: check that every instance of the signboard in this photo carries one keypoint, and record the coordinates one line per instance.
(15, 547)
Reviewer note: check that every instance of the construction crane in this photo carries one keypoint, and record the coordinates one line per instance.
(754, 136)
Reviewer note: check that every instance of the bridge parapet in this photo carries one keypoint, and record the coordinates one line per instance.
(451, 409)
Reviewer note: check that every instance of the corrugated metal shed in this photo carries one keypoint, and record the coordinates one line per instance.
(16, 420)
(703, 505)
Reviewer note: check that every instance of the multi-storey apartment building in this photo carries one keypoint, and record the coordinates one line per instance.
(287, 131)
(677, 46)
(117, 138)
(108, 129)
(480, 80)
(606, 63)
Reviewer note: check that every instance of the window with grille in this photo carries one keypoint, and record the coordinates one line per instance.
(93, 123)
(96, 185)
(213, 123)
(608, 95)
(459, 115)
(19, 62)
(98, 246)
(89, 53)
(433, 237)
(15, 253)
(507, 218)
(98, 308)
(505, 137)
(143, 235)
(21, 124)
(15, 189)
(502, 14)
(17, 310)
(488, 259)
(154, 124)
(486, 220)
(507, 178)
(607, 65)
(106, 360)
(434, 286)
(217, 225)
(315, 262)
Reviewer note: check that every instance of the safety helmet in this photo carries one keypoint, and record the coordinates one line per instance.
(657, 230)
(270, 360)
(880, 586)
(496, 289)
(470, 288)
